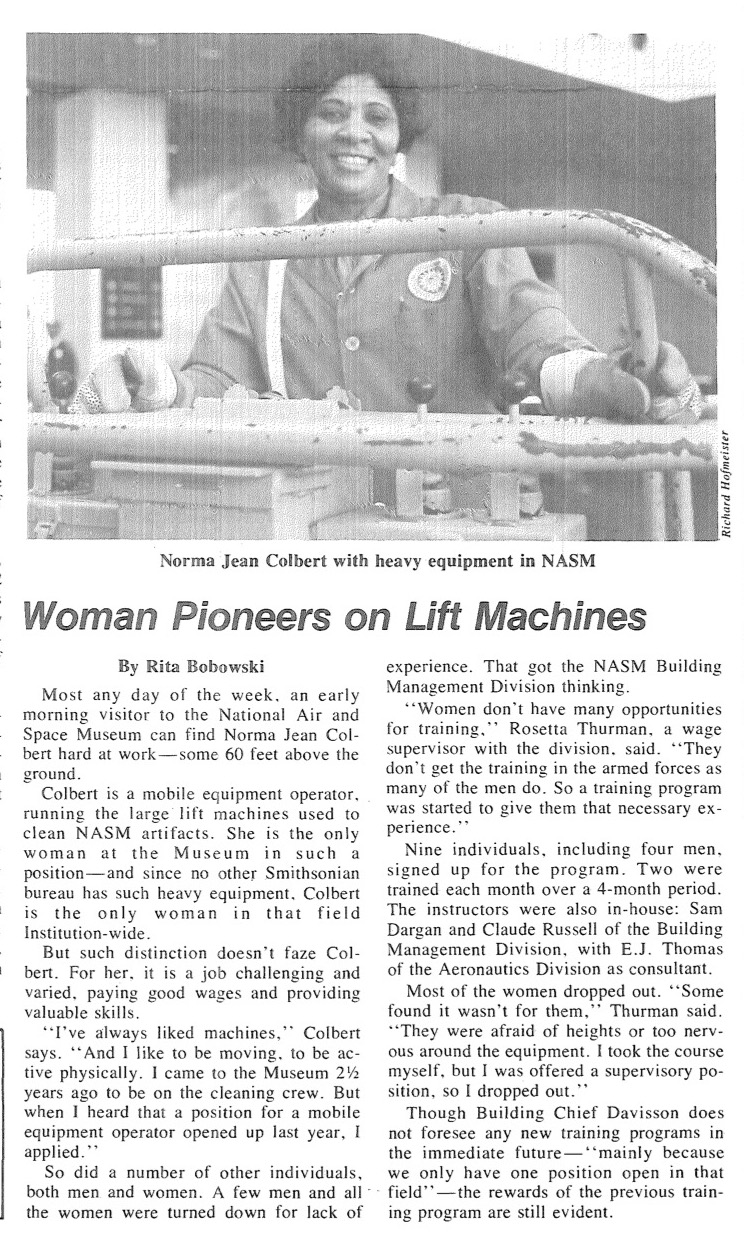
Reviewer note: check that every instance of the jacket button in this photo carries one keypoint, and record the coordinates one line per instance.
(352, 343)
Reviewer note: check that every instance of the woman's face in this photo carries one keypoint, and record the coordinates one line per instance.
(351, 139)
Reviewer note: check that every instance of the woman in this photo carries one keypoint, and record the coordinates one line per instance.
(368, 325)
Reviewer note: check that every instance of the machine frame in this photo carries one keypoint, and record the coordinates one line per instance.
(241, 432)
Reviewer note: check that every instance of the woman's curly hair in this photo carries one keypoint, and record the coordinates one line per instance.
(333, 58)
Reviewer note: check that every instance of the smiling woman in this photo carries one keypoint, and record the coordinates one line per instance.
(351, 139)
(336, 57)
(371, 325)
(373, 330)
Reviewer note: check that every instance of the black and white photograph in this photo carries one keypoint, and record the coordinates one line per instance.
(371, 287)
(370, 858)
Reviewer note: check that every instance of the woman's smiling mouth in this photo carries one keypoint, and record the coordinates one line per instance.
(352, 161)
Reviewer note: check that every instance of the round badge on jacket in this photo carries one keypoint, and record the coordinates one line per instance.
(430, 281)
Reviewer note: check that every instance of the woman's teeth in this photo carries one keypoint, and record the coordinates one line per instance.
(352, 162)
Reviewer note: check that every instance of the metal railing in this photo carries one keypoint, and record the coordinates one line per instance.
(282, 433)
(247, 432)
(528, 228)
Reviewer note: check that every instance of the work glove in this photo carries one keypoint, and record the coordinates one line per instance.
(605, 389)
(133, 380)
(584, 382)
(672, 387)
(602, 389)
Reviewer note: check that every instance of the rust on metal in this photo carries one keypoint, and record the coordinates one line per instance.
(403, 442)
(619, 450)
(699, 269)
(311, 433)
(531, 228)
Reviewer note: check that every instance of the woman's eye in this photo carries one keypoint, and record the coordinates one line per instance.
(329, 113)
(379, 117)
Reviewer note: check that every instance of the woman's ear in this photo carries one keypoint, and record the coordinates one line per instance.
(296, 147)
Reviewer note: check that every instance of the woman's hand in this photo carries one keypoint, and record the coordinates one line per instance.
(131, 380)
(604, 389)
(672, 387)
(584, 382)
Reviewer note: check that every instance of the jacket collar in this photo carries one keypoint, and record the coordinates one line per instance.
(401, 203)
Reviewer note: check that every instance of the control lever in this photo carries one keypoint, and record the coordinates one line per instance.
(62, 389)
(512, 495)
(435, 488)
(421, 391)
(513, 389)
(62, 472)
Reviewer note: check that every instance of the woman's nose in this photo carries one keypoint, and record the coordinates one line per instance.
(354, 126)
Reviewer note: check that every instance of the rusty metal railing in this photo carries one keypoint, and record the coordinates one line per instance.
(443, 442)
(281, 433)
(530, 228)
